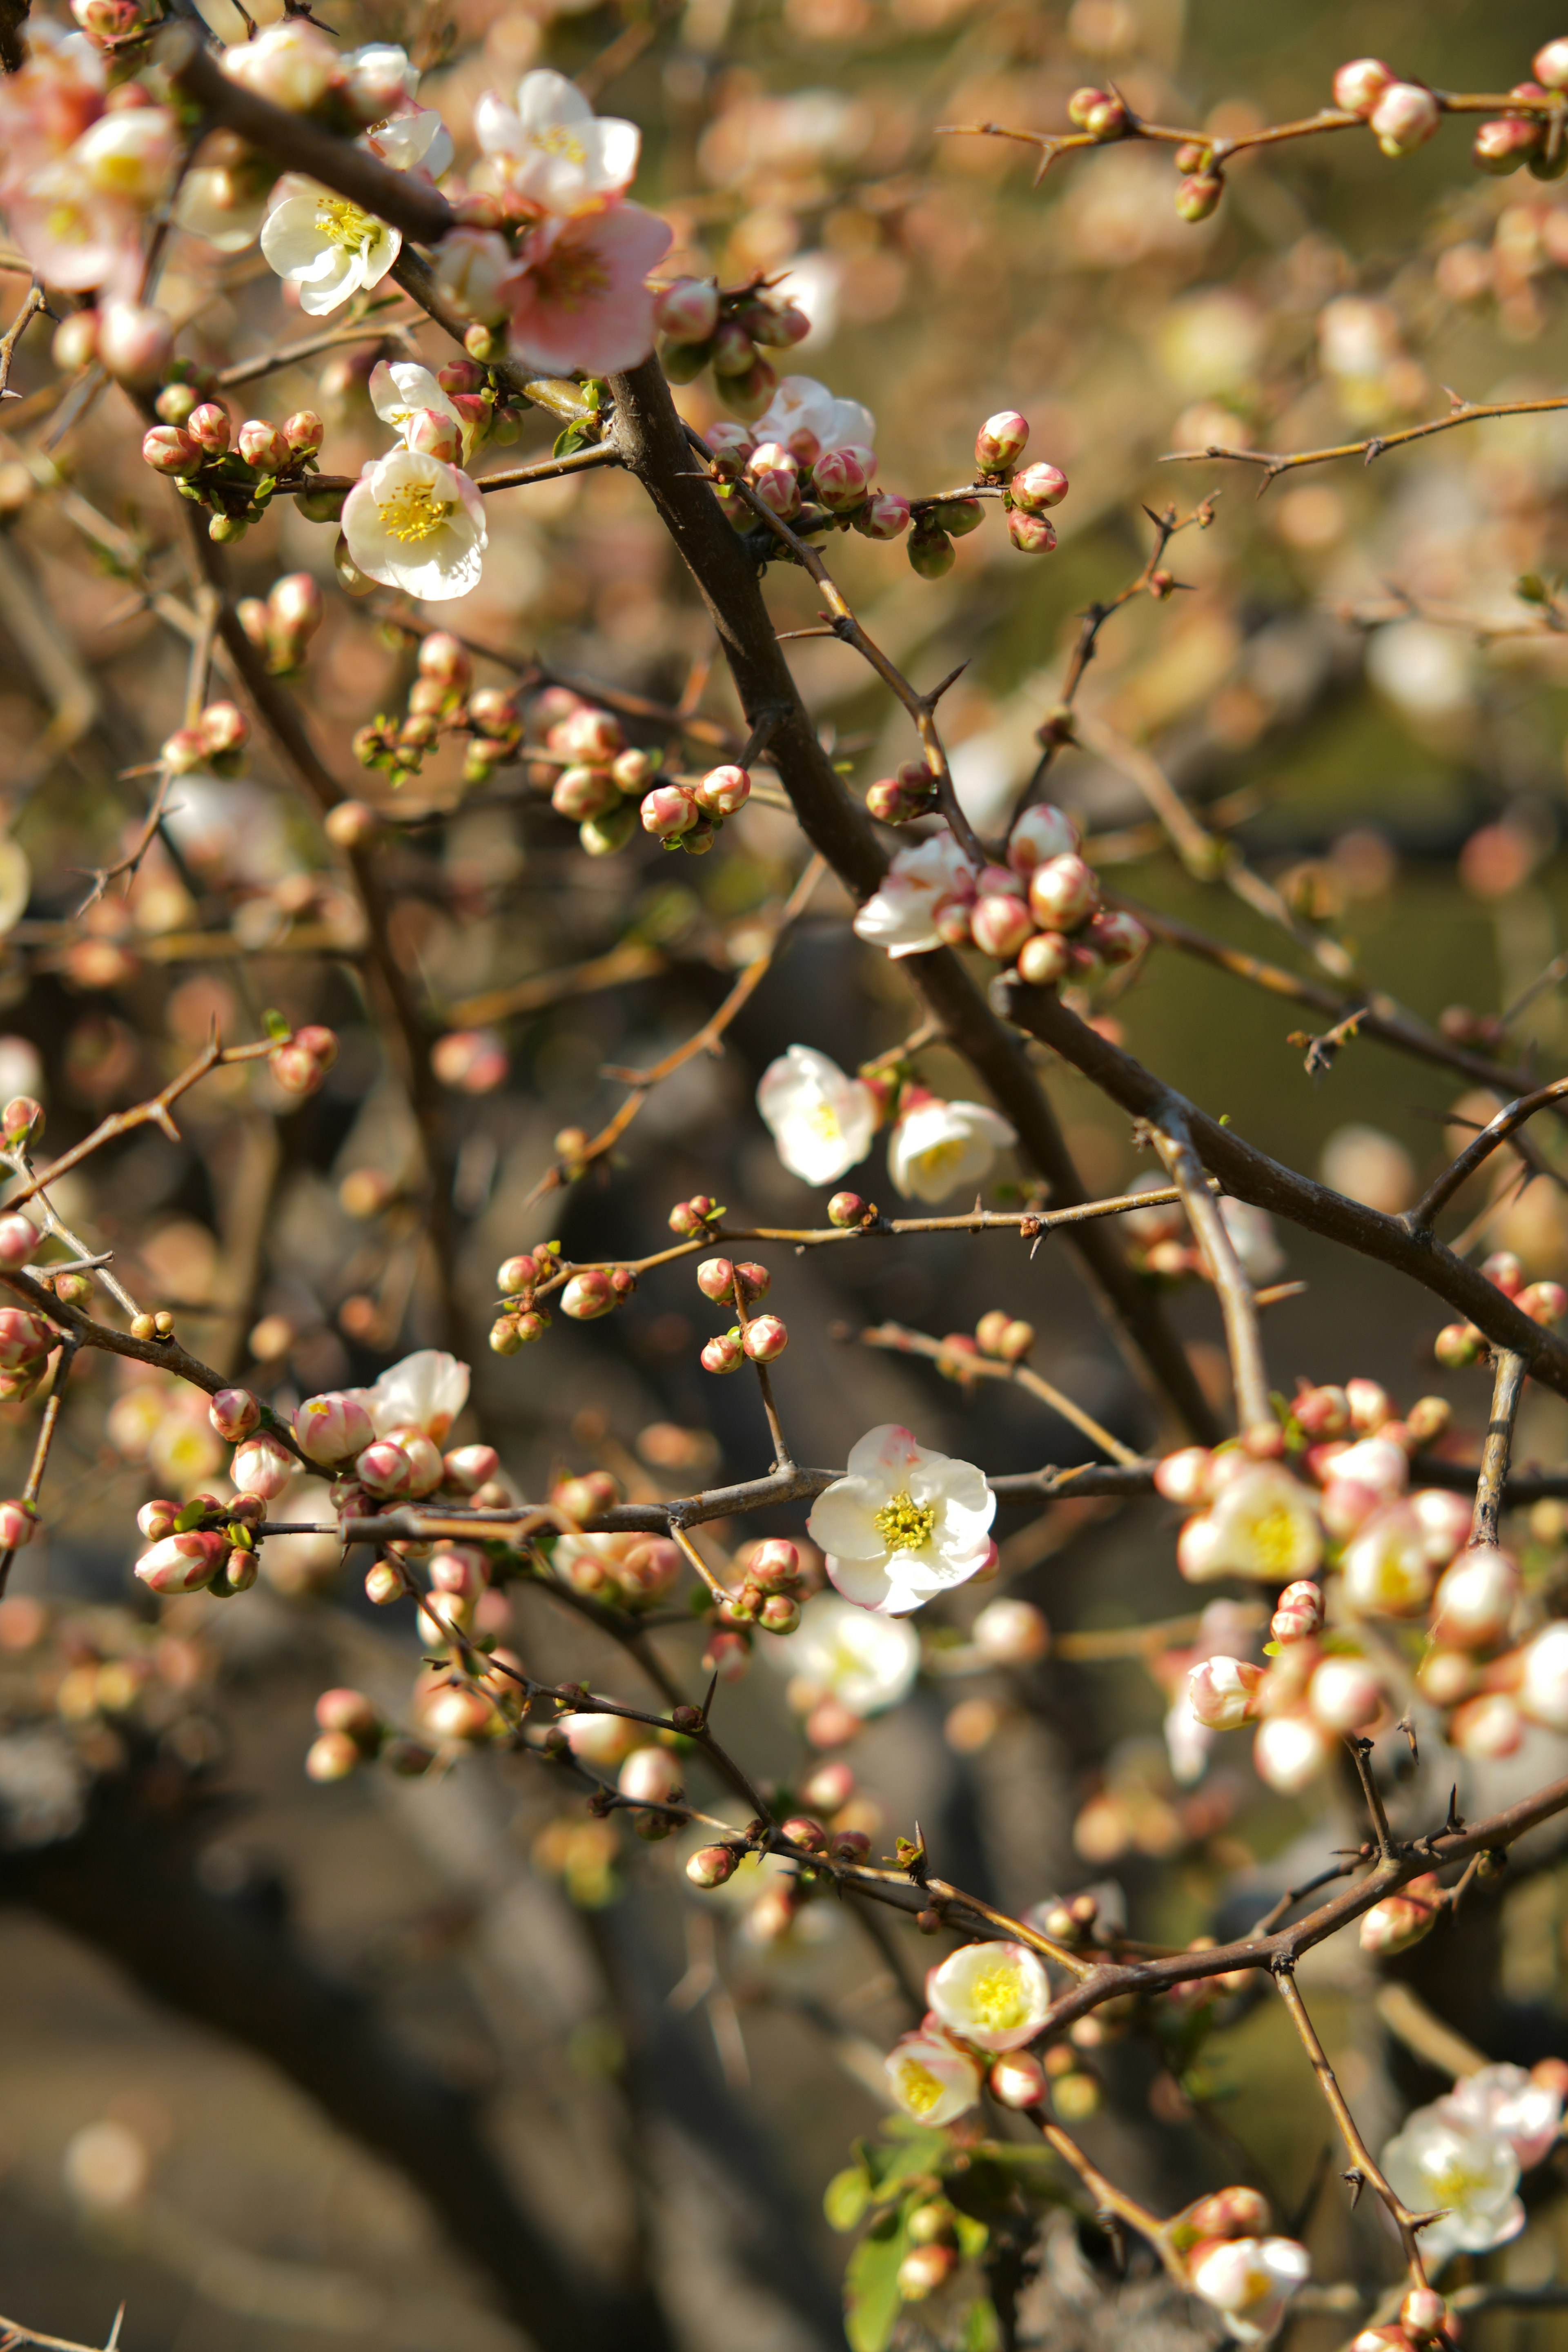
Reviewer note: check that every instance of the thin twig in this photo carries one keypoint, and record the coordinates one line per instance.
(966, 1367)
(1173, 1144)
(1480, 1147)
(1508, 1386)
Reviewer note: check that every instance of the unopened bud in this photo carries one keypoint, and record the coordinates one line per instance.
(263, 446)
(764, 1339)
(1402, 1919)
(723, 1354)
(1198, 196)
(1001, 441)
(1017, 2081)
(848, 1209)
(234, 1414)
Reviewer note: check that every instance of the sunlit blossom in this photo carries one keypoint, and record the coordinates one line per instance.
(1510, 2103)
(931, 2078)
(426, 1391)
(868, 1663)
(328, 247)
(939, 1147)
(821, 1121)
(801, 405)
(905, 1523)
(580, 299)
(1248, 2281)
(901, 915)
(1472, 2172)
(400, 389)
(415, 523)
(995, 1995)
(1262, 1523)
(551, 153)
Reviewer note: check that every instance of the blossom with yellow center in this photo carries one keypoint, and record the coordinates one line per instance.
(931, 2078)
(328, 248)
(414, 524)
(1263, 1523)
(903, 1524)
(994, 1995)
(551, 155)
(939, 1145)
(821, 1121)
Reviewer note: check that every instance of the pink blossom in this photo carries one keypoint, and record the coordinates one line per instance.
(580, 299)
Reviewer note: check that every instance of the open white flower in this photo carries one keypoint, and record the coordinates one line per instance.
(415, 142)
(399, 389)
(868, 1663)
(938, 1146)
(1248, 2281)
(901, 915)
(931, 2078)
(426, 1391)
(904, 1524)
(552, 153)
(413, 523)
(995, 1995)
(329, 248)
(1263, 1523)
(821, 1121)
(1508, 2103)
(1387, 1570)
(1472, 2173)
(801, 404)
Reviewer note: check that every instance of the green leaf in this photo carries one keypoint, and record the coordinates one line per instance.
(871, 2299)
(1532, 589)
(974, 2237)
(919, 2159)
(191, 1517)
(846, 2196)
(981, 2328)
(574, 437)
(276, 1026)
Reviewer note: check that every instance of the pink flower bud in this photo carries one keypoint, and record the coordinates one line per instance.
(1198, 196)
(778, 488)
(723, 1354)
(1233, 2212)
(295, 604)
(1551, 64)
(581, 793)
(1543, 1302)
(1476, 1599)
(885, 516)
(261, 1467)
(1369, 1405)
(234, 1414)
(207, 426)
(351, 1712)
(1039, 486)
(1322, 1413)
(1115, 938)
(930, 550)
(332, 1756)
(1001, 441)
(434, 434)
(470, 1061)
(1062, 892)
(1298, 1613)
(1501, 147)
(291, 64)
(170, 450)
(1223, 1692)
(304, 433)
(134, 342)
(18, 1240)
(780, 1614)
(183, 1563)
(332, 1428)
(755, 1280)
(156, 1519)
(1018, 2079)
(588, 1295)
(24, 1340)
(1487, 1727)
(651, 1776)
(1404, 118)
(715, 1278)
(17, 1522)
(668, 813)
(223, 729)
(460, 1569)
(1402, 1919)
(387, 1467)
(1043, 960)
(1000, 926)
(688, 312)
(1422, 2315)
(1458, 1344)
(468, 1467)
(712, 1866)
(458, 1715)
(587, 734)
(1186, 1477)
(840, 479)
(765, 1338)
(1344, 1695)
(1359, 85)
(848, 1209)
(722, 791)
(262, 445)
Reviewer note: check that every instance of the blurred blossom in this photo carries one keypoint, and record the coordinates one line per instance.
(1210, 343)
(1507, 2101)
(1428, 671)
(1368, 1166)
(822, 1123)
(1469, 2169)
(868, 1663)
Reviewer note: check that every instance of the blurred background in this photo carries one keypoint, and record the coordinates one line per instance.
(334, 2066)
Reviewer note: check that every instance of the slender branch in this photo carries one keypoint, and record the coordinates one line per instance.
(33, 304)
(44, 1441)
(154, 1112)
(1480, 1147)
(966, 1367)
(369, 329)
(1108, 2198)
(1508, 1386)
(1238, 1304)
(1276, 462)
(13, 2332)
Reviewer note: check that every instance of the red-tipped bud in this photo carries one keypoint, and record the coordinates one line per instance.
(1017, 2081)
(234, 1414)
(1298, 1613)
(688, 312)
(1422, 2315)
(849, 1209)
(262, 445)
(135, 342)
(668, 813)
(1359, 85)
(170, 450)
(208, 426)
(1402, 1919)
(712, 1866)
(1063, 892)
(1198, 196)
(588, 1295)
(332, 1756)
(18, 1522)
(1037, 487)
(1001, 441)
(156, 1519)
(1458, 1344)
(723, 1354)
(18, 1240)
(295, 604)
(722, 791)
(780, 1614)
(183, 1563)
(884, 516)
(1000, 926)
(764, 1339)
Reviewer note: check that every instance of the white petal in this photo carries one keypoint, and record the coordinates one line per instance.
(843, 1519)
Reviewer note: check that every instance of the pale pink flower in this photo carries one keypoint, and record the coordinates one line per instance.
(1468, 2172)
(931, 2078)
(1290, 1751)
(1263, 1523)
(426, 1391)
(901, 915)
(1508, 2102)
(551, 154)
(581, 299)
(903, 1523)
(1386, 1568)
(995, 1995)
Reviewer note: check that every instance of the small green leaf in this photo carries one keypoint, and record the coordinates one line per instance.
(275, 1024)
(846, 2196)
(981, 2328)
(191, 1517)
(1532, 589)
(871, 2299)
(974, 2237)
(574, 437)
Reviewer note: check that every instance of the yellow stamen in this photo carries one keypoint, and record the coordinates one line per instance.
(905, 1524)
(919, 2086)
(572, 277)
(344, 223)
(1275, 1535)
(558, 141)
(998, 1998)
(413, 513)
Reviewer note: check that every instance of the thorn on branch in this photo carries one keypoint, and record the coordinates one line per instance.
(1356, 2180)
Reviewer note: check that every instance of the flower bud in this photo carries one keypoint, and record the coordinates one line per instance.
(1233, 2212)
(930, 550)
(1037, 487)
(1369, 1405)
(384, 1583)
(332, 1428)
(847, 1209)
(1223, 1692)
(1011, 1632)
(1344, 1695)
(1016, 2080)
(262, 445)
(349, 1711)
(183, 1563)
(885, 516)
(1501, 147)
(1062, 892)
(295, 604)
(1404, 118)
(712, 1866)
(764, 1339)
(722, 791)
(1359, 85)
(723, 1354)
(234, 1414)
(24, 1340)
(1422, 2315)
(1198, 196)
(208, 426)
(651, 1776)
(1115, 938)
(841, 477)
(433, 434)
(588, 1295)
(1458, 1344)
(1041, 834)
(923, 2269)
(18, 1240)
(1551, 64)
(75, 345)
(261, 1467)
(18, 1519)
(134, 342)
(582, 792)
(1043, 960)
(332, 1756)
(755, 1281)
(303, 433)
(688, 312)
(1000, 442)
(469, 1468)
(156, 1519)
(472, 266)
(1298, 1613)
(1290, 1751)
(291, 63)
(170, 450)
(780, 1614)
(1475, 1599)
(1543, 1302)
(780, 329)
(1402, 1919)
(1000, 927)
(668, 813)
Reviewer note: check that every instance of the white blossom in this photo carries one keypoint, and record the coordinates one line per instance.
(901, 915)
(801, 404)
(327, 246)
(995, 1995)
(939, 1145)
(931, 2078)
(867, 1663)
(417, 142)
(1508, 2103)
(552, 153)
(1248, 2281)
(904, 1524)
(1263, 1523)
(1472, 2173)
(1387, 1569)
(821, 1119)
(426, 1391)
(399, 389)
(1543, 1694)
(414, 524)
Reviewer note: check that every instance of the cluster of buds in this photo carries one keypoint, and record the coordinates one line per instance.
(300, 1062)
(442, 701)
(1234, 2264)
(809, 486)
(701, 325)
(1028, 493)
(232, 474)
(696, 1217)
(202, 1545)
(350, 1732)
(770, 1581)
(592, 774)
(217, 742)
(1458, 1344)
(1040, 912)
(26, 1342)
(282, 625)
(897, 798)
(517, 1278)
(688, 816)
(1424, 2324)
(631, 1572)
(752, 1338)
